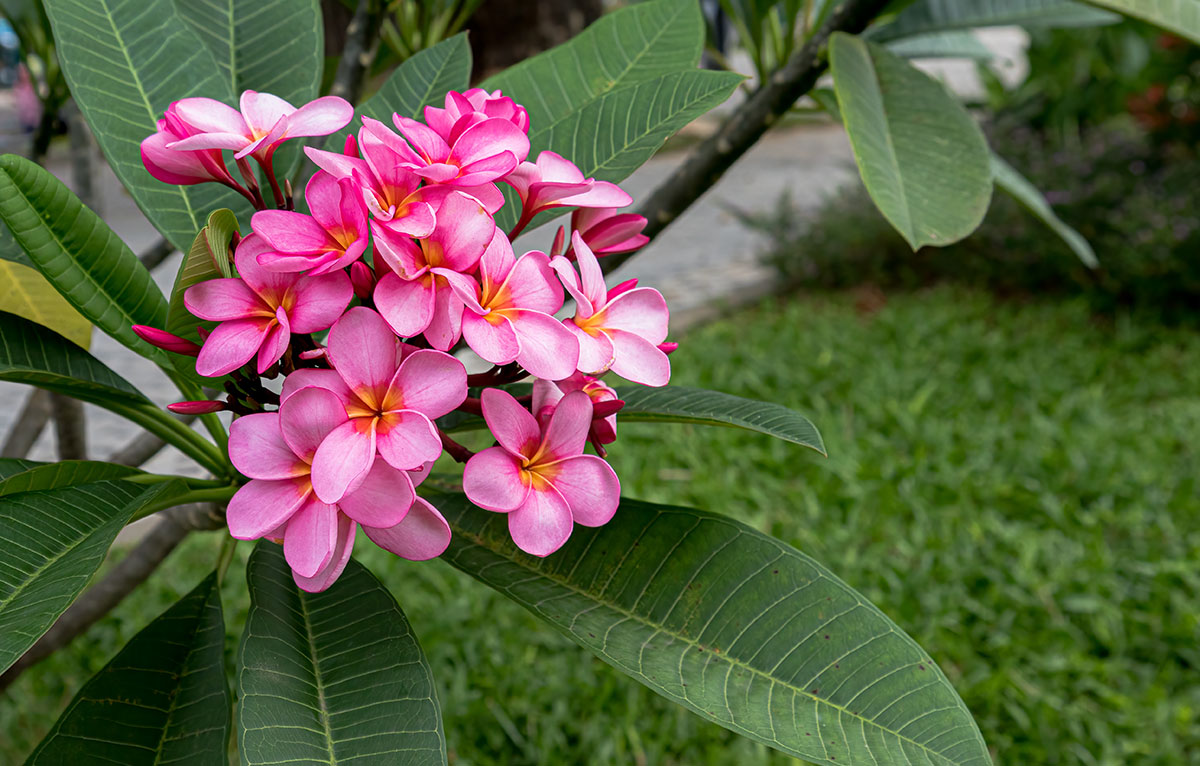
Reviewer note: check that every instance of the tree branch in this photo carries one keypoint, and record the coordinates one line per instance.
(142, 447)
(28, 426)
(357, 53)
(70, 427)
(175, 525)
(711, 158)
(156, 254)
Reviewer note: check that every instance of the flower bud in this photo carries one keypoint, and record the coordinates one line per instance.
(197, 408)
(362, 279)
(165, 340)
(667, 347)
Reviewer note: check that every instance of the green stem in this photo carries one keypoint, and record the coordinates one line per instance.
(170, 430)
(161, 478)
(228, 548)
(211, 422)
(213, 495)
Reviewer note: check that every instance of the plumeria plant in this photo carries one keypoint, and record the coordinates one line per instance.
(376, 357)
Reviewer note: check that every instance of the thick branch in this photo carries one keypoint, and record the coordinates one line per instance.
(156, 253)
(357, 54)
(132, 571)
(70, 427)
(28, 426)
(142, 447)
(710, 159)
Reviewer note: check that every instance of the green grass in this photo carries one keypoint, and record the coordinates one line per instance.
(1012, 483)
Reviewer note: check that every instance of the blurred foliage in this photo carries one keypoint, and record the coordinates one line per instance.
(981, 488)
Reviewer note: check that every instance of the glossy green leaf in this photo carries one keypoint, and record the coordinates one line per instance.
(1008, 179)
(162, 700)
(126, 61)
(53, 542)
(26, 293)
(925, 16)
(207, 258)
(272, 46)
(80, 255)
(65, 473)
(951, 44)
(677, 404)
(922, 158)
(1179, 16)
(341, 671)
(11, 466)
(735, 626)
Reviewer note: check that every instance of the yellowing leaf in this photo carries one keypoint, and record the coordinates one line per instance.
(26, 293)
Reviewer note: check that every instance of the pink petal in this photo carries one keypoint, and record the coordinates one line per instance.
(263, 110)
(463, 231)
(324, 193)
(438, 173)
(427, 143)
(548, 349)
(319, 301)
(234, 141)
(495, 343)
(445, 326)
(488, 195)
(321, 117)
(547, 393)
(219, 300)
(590, 274)
(260, 506)
(206, 115)
(342, 548)
(362, 348)
(311, 537)
(542, 523)
(291, 232)
(638, 360)
(382, 500)
(465, 287)
(497, 261)
(590, 487)
(488, 139)
(554, 167)
(258, 449)
(570, 280)
(336, 164)
(532, 284)
(430, 382)
(269, 285)
(406, 306)
(307, 417)
(414, 219)
(344, 458)
(231, 345)
(407, 440)
(602, 194)
(175, 167)
(400, 253)
(595, 351)
(422, 535)
(641, 311)
(487, 170)
(512, 425)
(305, 377)
(492, 480)
(276, 342)
(566, 434)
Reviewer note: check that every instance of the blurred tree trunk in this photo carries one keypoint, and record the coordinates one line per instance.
(504, 32)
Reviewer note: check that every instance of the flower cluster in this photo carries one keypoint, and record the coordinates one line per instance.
(400, 259)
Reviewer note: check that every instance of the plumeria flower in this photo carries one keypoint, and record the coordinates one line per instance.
(176, 166)
(415, 295)
(386, 395)
(259, 310)
(607, 232)
(554, 181)
(509, 314)
(333, 237)
(275, 450)
(617, 329)
(470, 107)
(264, 122)
(605, 404)
(540, 476)
(483, 153)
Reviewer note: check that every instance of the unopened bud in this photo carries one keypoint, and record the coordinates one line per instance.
(351, 148)
(197, 408)
(560, 241)
(668, 347)
(624, 287)
(606, 408)
(313, 353)
(165, 340)
(362, 279)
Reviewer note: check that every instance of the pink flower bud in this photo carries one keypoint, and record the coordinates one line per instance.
(197, 408)
(362, 279)
(560, 241)
(166, 341)
(667, 348)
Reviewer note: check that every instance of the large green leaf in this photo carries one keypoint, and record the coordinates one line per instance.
(677, 404)
(340, 671)
(737, 627)
(162, 700)
(925, 16)
(26, 293)
(1008, 179)
(80, 255)
(952, 44)
(273, 46)
(126, 61)
(53, 542)
(922, 158)
(11, 466)
(66, 473)
(207, 258)
(1179, 16)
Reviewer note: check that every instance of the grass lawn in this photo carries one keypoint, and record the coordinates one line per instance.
(1012, 483)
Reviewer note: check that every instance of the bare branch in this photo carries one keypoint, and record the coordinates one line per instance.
(156, 253)
(70, 427)
(711, 158)
(142, 447)
(175, 525)
(28, 425)
(357, 54)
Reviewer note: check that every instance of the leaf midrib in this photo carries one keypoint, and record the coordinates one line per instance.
(635, 617)
(162, 737)
(318, 681)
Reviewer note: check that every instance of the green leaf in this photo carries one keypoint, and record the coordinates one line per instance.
(1179, 16)
(26, 293)
(422, 80)
(66, 473)
(922, 158)
(272, 46)
(79, 255)
(11, 466)
(735, 626)
(1008, 179)
(126, 62)
(162, 700)
(54, 540)
(951, 44)
(676, 404)
(925, 16)
(207, 258)
(340, 670)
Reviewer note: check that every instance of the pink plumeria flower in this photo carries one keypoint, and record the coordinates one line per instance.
(483, 153)
(607, 232)
(473, 106)
(389, 394)
(605, 404)
(617, 329)
(415, 295)
(259, 310)
(264, 122)
(276, 449)
(554, 181)
(540, 477)
(333, 237)
(509, 314)
(178, 166)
